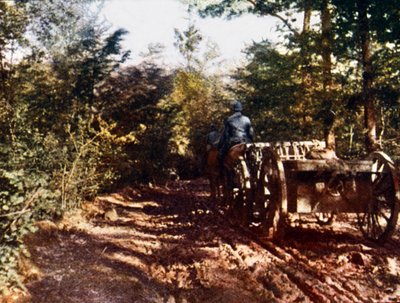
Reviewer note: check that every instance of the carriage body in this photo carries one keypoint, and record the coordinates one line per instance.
(278, 178)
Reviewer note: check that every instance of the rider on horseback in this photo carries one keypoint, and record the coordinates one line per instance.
(212, 138)
(237, 130)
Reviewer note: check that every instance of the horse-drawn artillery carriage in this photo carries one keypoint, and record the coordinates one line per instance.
(264, 182)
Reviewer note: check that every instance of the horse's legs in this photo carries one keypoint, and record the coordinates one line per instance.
(213, 188)
(218, 185)
(231, 185)
(226, 190)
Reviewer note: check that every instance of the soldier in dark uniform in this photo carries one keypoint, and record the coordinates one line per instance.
(237, 130)
(212, 138)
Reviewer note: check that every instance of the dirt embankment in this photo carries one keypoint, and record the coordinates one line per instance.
(164, 245)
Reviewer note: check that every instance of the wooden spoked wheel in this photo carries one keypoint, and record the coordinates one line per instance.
(379, 219)
(239, 184)
(271, 196)
(236, 190)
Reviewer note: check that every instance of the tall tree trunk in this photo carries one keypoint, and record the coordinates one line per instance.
(307, 16)
(305, 58)
(329, 117)
(6, 98)
(305, 94)
(369, 108)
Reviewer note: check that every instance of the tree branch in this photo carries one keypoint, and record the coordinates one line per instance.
(276, 15)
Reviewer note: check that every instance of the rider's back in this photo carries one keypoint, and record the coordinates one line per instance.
(239, 128)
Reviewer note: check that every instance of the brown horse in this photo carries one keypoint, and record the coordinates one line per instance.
(226, 177)
(240, 183)
(230, 161)
(233, 155)
(213, 172)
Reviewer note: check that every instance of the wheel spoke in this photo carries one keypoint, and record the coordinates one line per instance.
(381, 228)
(270, 182)
(380, 217)
(382, 185)
(383, 215)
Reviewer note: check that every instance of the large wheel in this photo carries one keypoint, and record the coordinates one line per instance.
(236, 190)
(379, 220)
(239, 185)
(271, 195)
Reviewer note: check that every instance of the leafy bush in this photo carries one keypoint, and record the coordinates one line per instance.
(44, 176)
(24, 198)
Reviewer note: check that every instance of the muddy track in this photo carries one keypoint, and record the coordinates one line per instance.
(171, 245)
(316, 284)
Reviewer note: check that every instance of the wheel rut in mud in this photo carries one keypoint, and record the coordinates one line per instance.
(165, 245)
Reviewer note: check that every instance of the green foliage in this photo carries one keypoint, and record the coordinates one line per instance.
(290, 92)
(56, 149)
(229, 8)
(268, 85)
(74, 123)
(363, 43)
(197, 101)
(387, 91)
(198, 52)
(188, 43)
(24, 198)
(132, 101)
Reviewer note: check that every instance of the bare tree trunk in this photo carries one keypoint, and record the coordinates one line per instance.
(369, 108)
(2, 73)
(329, 117)
(305, 58)
(305, 66)
(6, 96)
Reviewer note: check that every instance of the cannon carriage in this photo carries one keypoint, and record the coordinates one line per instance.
(272, 180)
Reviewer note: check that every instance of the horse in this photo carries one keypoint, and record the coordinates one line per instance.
(225, 176)
(233, 155)
(230, 177)
(213, 172)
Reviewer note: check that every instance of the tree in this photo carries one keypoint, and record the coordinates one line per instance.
(80, 51)
(268, 84)
(56, 150)
(349, 31)
(326, 46)
(301, 42)
(133, 100)
(188, 43)
(12, 29)
(366, 28)
(282, 9)
(197, 98)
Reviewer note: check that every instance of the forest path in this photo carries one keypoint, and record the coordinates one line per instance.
(164, 245)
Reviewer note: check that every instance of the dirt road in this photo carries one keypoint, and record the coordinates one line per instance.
(163, 245)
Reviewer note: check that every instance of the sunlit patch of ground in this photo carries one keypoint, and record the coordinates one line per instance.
(163, 245)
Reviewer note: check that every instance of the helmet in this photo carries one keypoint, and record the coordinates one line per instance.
(237, 106)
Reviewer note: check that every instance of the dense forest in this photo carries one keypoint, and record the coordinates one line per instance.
(77, 120)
